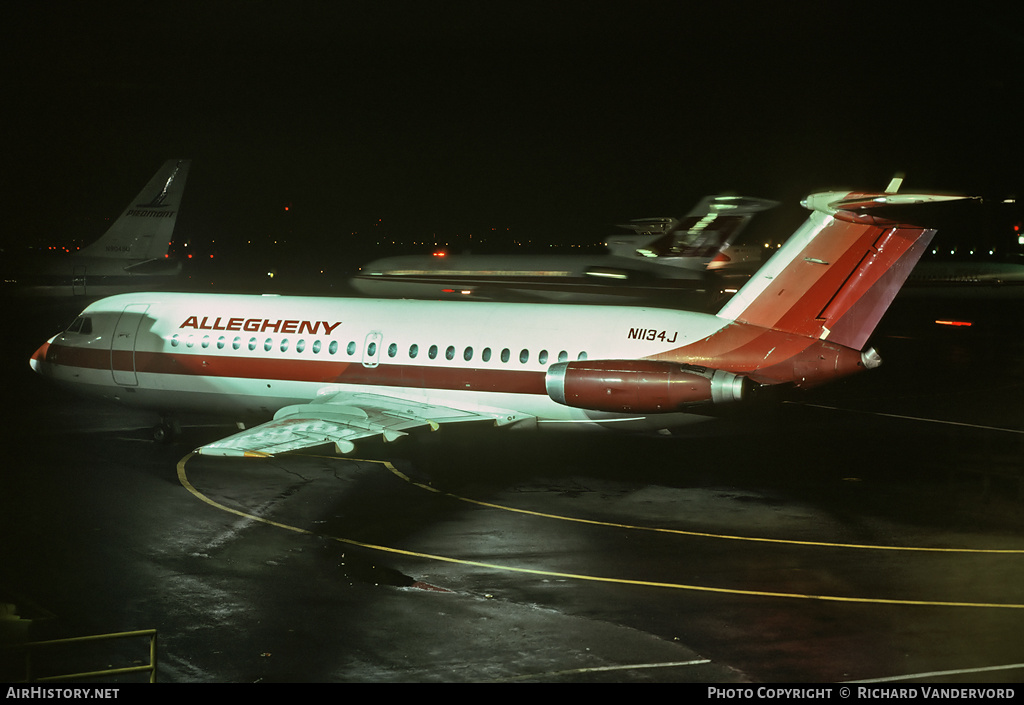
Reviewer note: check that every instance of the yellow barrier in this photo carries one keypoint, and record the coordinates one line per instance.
(30, 647)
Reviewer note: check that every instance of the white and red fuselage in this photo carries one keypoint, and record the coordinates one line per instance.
(802, 319)
(251, 355)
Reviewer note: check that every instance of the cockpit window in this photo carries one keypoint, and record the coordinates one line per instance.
(82, 324)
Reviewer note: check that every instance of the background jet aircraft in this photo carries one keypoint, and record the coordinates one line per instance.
(663, 256)
(130, 256)
(333, 370)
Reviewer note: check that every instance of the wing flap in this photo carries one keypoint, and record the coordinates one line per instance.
(341, 418)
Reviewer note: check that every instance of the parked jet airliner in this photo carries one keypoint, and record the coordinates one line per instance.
(669, 256)
(130, 256)
(334, 370)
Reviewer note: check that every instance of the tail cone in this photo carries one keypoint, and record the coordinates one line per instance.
(870, 358)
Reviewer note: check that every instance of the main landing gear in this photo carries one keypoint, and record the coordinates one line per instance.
(167, 431)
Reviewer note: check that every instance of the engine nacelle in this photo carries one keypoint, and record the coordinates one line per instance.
(639, 386)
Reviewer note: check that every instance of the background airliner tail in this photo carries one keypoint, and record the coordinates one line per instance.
(693, 241)
(146, 226)
(837, 274)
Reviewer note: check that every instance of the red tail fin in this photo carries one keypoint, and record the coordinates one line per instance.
(836, 275)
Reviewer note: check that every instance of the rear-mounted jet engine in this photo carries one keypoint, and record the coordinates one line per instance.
(639, 386)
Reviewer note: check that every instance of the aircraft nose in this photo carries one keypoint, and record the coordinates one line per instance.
(39, 357)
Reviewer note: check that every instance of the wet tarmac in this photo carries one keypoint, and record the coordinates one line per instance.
(873, 529)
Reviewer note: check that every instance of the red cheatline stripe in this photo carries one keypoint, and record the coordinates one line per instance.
(319, 371)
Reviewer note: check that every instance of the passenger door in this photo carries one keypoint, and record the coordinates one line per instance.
(122, 345)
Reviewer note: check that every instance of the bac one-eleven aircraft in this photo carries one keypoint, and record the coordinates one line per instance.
(334, 370)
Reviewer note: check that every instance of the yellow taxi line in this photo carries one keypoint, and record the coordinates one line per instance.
(700, 534)
(183, 478)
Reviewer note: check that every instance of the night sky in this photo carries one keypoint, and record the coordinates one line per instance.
(555, 120)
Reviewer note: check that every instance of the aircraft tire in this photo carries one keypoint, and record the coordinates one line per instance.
(166, 431)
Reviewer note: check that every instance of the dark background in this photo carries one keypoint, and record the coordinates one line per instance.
(490, 125)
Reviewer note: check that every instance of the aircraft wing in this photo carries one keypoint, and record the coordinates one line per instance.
(341, 418)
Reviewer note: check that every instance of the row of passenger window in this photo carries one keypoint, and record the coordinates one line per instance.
(468, 353)
(268, 344)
